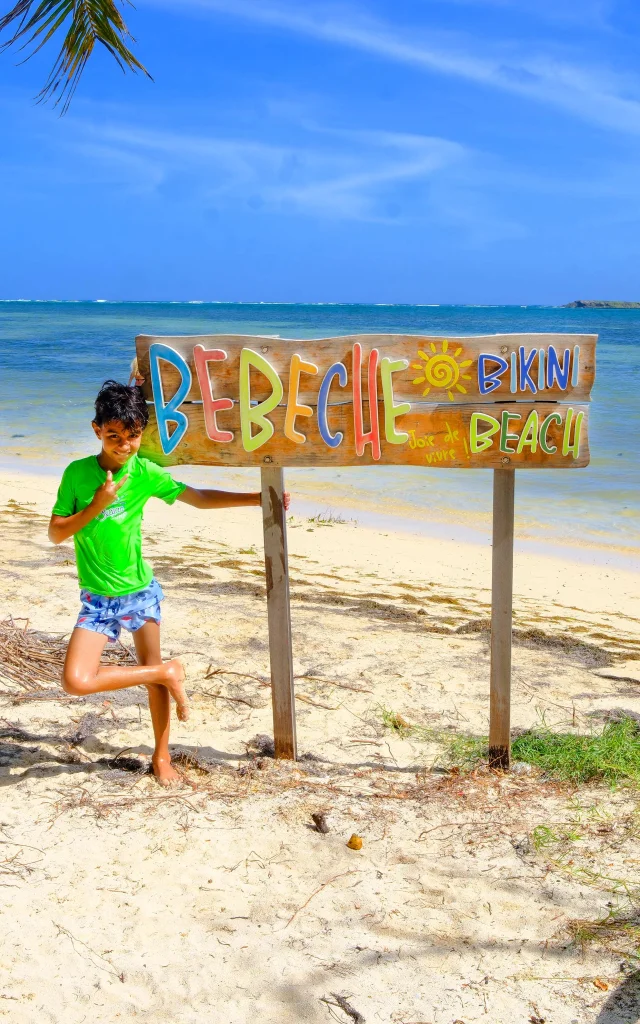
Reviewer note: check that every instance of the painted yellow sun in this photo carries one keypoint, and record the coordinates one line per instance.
(442, 369)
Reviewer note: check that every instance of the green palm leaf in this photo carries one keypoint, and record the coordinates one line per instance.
(91, 22)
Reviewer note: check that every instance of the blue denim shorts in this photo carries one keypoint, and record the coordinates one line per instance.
(109, 614)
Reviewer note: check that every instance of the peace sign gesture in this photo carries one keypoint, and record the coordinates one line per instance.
(107, 492)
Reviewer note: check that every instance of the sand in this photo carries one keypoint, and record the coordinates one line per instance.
(219, 901)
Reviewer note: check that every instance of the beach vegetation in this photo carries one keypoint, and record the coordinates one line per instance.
(544, 836)
(611, 756)
(86, 22)
(394, 721)
(329, 518)
(617, 931)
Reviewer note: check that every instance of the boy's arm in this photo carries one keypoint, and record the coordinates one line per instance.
(201, 498)
(63, 527)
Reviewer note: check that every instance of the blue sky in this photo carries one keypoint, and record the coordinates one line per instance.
(480, 151)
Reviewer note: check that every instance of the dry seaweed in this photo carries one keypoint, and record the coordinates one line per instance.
(33, 659)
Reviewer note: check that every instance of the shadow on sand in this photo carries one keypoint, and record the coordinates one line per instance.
(623, 1005)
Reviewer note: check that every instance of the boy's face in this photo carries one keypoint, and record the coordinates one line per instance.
(118, 443)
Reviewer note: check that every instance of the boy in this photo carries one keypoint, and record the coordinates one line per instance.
(100, 503)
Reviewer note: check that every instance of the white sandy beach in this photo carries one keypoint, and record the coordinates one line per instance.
(218, 902)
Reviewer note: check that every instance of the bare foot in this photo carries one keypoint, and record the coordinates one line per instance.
(164, 771)
(175, 686)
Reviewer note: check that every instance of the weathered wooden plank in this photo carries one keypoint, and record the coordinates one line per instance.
(447, 369)
(439, 436)
(279, 614)
(501, 619)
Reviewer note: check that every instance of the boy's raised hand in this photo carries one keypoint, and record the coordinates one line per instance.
(107, 492)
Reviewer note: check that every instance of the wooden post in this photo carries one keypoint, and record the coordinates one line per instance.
(501, 619)
(279, 613)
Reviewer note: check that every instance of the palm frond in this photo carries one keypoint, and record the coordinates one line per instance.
(90, 22)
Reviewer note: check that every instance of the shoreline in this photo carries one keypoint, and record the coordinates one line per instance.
(442, 529)
(267, 302)
(582, 592)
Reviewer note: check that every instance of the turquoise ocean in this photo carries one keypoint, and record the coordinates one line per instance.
(55, 355)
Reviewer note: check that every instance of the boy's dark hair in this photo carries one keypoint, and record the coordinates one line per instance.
(120, 402)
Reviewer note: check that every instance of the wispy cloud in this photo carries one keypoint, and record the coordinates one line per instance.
(598, 95)
(353, 175)
(392, 179)
(591, 14)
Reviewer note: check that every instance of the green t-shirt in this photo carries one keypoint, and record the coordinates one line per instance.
(109, 548)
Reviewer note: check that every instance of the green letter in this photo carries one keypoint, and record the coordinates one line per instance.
(553, 417)
(259, 413)
(480, 442)
(391, 411)
(530, 428)
(566, 446)
(505, 436)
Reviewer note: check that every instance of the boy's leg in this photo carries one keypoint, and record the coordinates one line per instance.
(147, 641)
(83, 674)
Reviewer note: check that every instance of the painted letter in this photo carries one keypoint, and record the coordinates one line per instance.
(488, 382)
(391, 411)
(540, 369)
(567, 445)
(298, 366)
(258, 415)
(557, 370)
(372, 436)
(505, 436)
(529, 435)
(479, 442)
(553, 417)
(575, 366)
(211, 405)
(526, 380)
(338, 370)
(169, 412)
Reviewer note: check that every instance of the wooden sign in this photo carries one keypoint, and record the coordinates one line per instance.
(500, 401)
(510, 400)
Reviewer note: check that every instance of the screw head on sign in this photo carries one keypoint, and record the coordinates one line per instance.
(267, 458)
(265, 348)
(506, 460)
(505, 348)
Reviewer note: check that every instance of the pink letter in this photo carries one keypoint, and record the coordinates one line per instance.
(373, 436)
(211, 405)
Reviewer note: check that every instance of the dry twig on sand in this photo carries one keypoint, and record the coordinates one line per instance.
(211, 672)
(323, 886)
(89, 954)
(334, 682)
(346, 1007)
(233, 700)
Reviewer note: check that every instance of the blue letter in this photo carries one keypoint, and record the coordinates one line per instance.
(554, 369)
(526, 381)
(338, 370)
(488, 382)
(170, 411)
